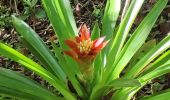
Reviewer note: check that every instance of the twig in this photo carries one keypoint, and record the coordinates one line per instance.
(15, 3)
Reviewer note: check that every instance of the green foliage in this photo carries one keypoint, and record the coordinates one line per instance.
(37, 44)
(64, 73)
(163, 95)
(4, 15)
(30, 3)
(11, 83)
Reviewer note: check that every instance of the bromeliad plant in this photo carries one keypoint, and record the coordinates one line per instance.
(88, 66)
(84, 50)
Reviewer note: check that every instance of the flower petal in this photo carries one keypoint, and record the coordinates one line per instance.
(78, 39)
(104, 44)
(98, 42)
(98, 48)
(84, 32)
(71, 54)
(72, 44)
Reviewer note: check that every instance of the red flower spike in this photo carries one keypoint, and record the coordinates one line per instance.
(83, 48)
(84, 32)
(78, 39)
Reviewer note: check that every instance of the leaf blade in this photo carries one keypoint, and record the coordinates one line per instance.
(28, 63)
(22, 87)
(138, 37)
(36, 42)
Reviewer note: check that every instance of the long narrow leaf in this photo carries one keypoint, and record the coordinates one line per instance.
(127, 93)
(120, 83)
(153, 53)
(61, 18)
(141, 53)
(36, 54)
(28, 63)
(123, 31)
(68, 16)
(22, 87)
(95, 32)
(110, 17)
(159, 62)
(108, 26)
(36, 42)
(70, 70)
(139, 37)
(117, 43)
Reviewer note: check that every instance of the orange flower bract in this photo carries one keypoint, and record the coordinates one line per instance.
(82, 47)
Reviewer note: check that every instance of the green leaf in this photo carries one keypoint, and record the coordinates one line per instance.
(120, 37)
(95, 32)
(28, 63)
(123, 31)
(161, 70)
(138, 38)
(117, 42)
(37, 43)
(36, 54)
(163, 95)
(40, 13)
(141, 52)
(60, 15)
(28, 2)
(31, 3)
(98, 60)
(120, 83)
(150, 56)
(160, 61)
(68, 16)
(16, 85)
(127, 93)
(97, 69)
(110, 17)
(70, 71)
